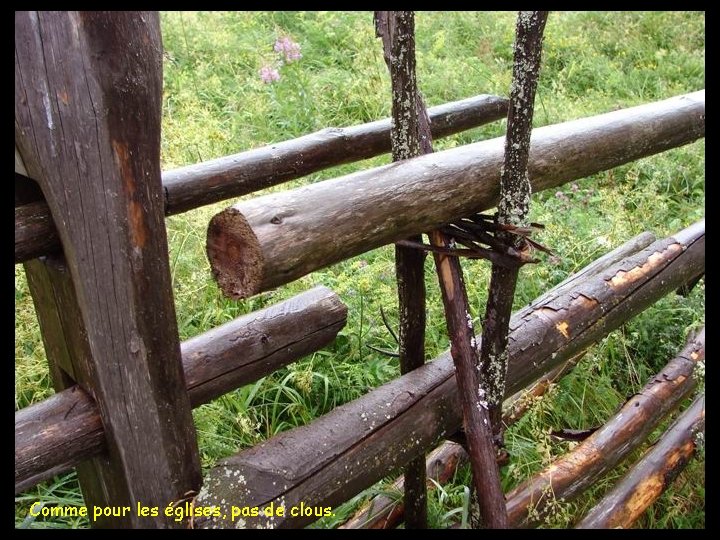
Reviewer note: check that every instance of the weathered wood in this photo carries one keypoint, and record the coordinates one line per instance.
(34, 231)
(232, 176)
(261, 243)
(476, 416)
(357, 444)
(385, 512)
(630, 247)
(513, 209)
(71, 420)
(62, 431)
(88, 96)
(626, 285)
(624, 432)
(651, 475)
(410, 129)
(254, 345)
(397, 31)
(239, 174)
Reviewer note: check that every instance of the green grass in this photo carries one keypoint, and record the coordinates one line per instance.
(215, 104)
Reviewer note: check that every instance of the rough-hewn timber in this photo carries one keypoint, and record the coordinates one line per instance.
(88, 96)
(34, 231)
(239, 174)
(271, 240)
(625, 431)
(62, 431)
(354, 446)
(652, 475)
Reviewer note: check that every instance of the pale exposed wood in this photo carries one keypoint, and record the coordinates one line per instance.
(34, 231)
(624, 432)
(271, 240)
(356, 445)
(652, 474)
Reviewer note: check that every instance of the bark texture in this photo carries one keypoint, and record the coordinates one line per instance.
(397, 31)
(231, 176)
(512, 209)
(65, 429)
(606, 447)
(265, 242)
(652, 475)
(356, 445)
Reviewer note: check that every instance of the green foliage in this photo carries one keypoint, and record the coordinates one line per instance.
(215, 104)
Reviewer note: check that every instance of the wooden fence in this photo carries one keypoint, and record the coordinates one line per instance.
(90, 202)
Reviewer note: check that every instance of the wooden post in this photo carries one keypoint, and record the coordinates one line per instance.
(397, 31)
(355, 445)
(88, 93)
(574, 472)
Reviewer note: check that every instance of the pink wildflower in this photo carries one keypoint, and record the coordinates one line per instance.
(268, 74)
(289, 48)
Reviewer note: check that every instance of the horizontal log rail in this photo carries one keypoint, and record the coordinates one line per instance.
(267, 241)
(652, 474)
(574, 472)
(219, 179)
(356, 445)
(383, 511)
(386, 512)
(58, 433)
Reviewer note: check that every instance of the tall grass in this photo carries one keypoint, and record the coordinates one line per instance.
(216, 104)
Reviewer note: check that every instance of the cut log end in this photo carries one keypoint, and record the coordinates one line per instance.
(235, 255)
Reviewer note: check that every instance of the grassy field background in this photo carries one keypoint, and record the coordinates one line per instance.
(215, 104)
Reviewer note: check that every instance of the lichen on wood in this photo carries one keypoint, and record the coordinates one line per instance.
(397, 31)
(515, 190)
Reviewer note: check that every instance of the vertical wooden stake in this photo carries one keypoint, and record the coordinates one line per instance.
(513, 207)
(410, 117)
(88, 94)
(397, 30)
